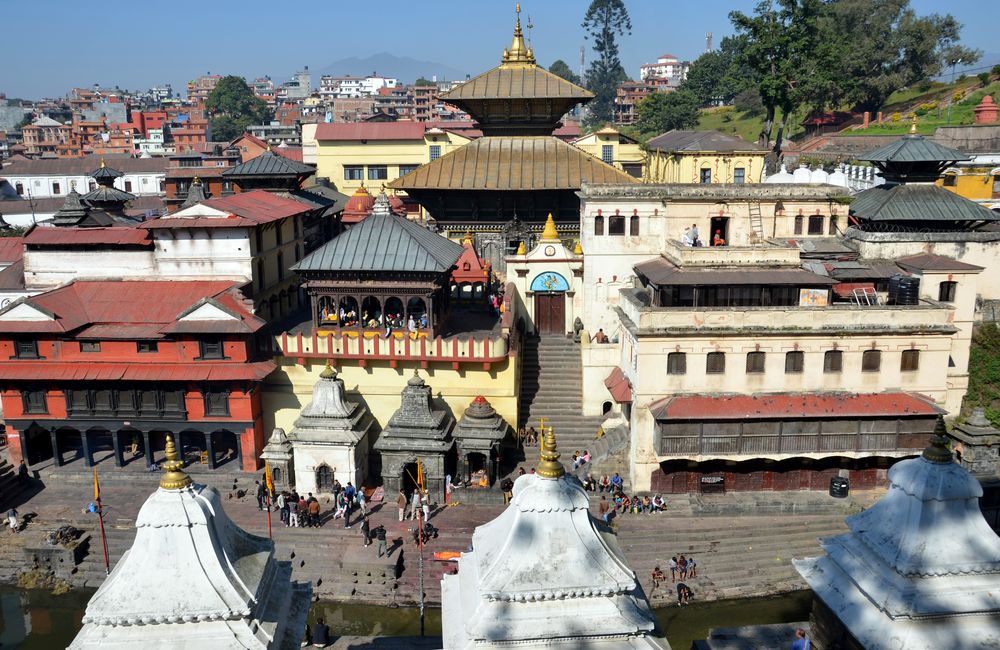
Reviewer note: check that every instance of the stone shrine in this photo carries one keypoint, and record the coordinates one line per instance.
(478, 436)
(193, 579)
(977, 445)
(545, 573)
(417, 431)
(278, 454)
(918, 570)
(330, 439)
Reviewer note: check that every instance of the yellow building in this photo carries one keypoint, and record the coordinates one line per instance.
(979, 184)
(372, 153)
(703, 157)
(615, 148)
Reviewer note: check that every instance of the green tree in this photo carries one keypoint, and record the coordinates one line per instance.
(662, 112)
(890, 47)
(605, 20)
(424, 81)
(716, 76)
(234, 107)
(779, 46)
(561, 69)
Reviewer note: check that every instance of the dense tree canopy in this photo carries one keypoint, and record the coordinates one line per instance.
(604, 22)
(716, 76)
(561, 69)
(661, 112)
(423, 81)
(234, 107)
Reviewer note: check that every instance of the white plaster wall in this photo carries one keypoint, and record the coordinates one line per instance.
(50, 268)
(345, 463)
(43, 186)
(218, 253)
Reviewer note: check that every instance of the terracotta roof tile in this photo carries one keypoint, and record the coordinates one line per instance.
(111, 236)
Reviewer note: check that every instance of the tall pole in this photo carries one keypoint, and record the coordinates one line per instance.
(104, 538)
(951, 100)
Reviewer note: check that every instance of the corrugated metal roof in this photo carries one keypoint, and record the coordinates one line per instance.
(619, 386)
(102, 194)
(914, 148)
(931, 262)
(917, 202)
(269, 164)
(110, 371)
(791, 405)
(678, 140)
(512, 163)
(199, 222)
(529, 82)
(371, 131)
(384, 243)
(112, 236)
(258, 205)
(661, 272)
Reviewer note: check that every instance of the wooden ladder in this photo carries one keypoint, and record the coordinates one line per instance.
(756, 220)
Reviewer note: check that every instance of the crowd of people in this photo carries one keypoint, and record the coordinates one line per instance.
(681, 569)
(692, 237)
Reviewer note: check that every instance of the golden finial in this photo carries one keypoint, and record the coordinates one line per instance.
(174, 477)
(913, 125)
(521, 250)
(518, 53)
(268, 146)
(103, 164)
(196, 181)
(578, 249)
(937, 451)
(328, 372)
(550, 467)
(550, 233)
(467, 240)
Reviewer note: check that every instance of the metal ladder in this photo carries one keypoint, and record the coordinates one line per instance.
(756, 221)
(865, 296)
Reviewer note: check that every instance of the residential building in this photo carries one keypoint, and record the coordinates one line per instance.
(105, 369)
(615, 148)
(10, 116)
(667, 67)
(277, 133)
(57, 177)
(199, 89)
(47, 136)
(299, 87)
(352, 87)
(703, 157)
(184, 168)
(628, 94)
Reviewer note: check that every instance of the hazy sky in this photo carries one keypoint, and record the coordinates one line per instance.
(50, 46)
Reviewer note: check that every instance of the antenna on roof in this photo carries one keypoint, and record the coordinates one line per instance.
(708, 42)
(530, 25)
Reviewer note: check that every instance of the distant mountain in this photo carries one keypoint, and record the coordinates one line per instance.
(404, 68)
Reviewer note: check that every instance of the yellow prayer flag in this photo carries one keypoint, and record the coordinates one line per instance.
(97, 487)
(267, 478)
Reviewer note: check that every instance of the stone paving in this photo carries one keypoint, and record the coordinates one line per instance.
(743, 543)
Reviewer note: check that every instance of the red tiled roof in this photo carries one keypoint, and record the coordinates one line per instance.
(110, 371)
(371, 131)
(152, 304)
(245, 209)
(846, 289)
(111, 236)
(11, 249)
(619, 386)
(791, 405)
(476, 272)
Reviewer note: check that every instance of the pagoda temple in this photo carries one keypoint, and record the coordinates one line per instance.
(546, 573)
(518, 169)
(102, 206)
(193, 579)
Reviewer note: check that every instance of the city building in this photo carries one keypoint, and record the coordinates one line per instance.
(56, 177)
(199, 89)
(628, 94)
(667, 68)
(277, 133)
(703, 157)
(615, 148)
(352, 87)
(217, 586)
(183, 169)
(104, 370)
(47, 136)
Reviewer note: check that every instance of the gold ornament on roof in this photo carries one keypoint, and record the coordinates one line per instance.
(173, 477)
(521, 249)
(518, 55)
(913, 125)
(578, 249)
(550, 467)
(467, 240)
(328, 372)
(937, 451)
(550, 233)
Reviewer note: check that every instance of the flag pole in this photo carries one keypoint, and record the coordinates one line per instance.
(269, 484)
(100, 518)
(420, 542)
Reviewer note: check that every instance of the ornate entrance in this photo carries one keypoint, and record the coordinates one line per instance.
(550, 313)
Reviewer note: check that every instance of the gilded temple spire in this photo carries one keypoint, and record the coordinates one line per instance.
(550, 467)
(519, 54)
(174, 477)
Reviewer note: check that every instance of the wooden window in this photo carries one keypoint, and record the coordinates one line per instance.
(871, 361)
(676, 363)
(633, 226)
(910, 361)
(794, 361)
(715, 363)
(616, 225)
(950, 180)
(705, 176)
(34, 401)
(739, 175)
(833, 361)
(816, 224)
(128, 186)
(277, 234)
(144, 347)
(599, 225)
(946, 291)
(19, 188)
(90, 346)
(798, 225)
(216, 402)
(211, 348)
(26, 349)
(755, 362)
(56, 188)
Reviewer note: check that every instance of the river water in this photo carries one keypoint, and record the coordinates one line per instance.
(37, 620)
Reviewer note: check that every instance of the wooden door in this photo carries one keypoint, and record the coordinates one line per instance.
(550, 313)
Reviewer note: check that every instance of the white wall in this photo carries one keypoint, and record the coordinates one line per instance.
(50, 268)
(218, 253)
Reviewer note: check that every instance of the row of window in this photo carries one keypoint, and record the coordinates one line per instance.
(833, 362)
(57, 187)
(815, 224)
(381, 172)
(739, 176)
(208, 348)
(110, 402)
(616, 225)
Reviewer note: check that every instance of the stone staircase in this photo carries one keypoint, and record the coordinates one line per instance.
(551, 388)
(10, 487)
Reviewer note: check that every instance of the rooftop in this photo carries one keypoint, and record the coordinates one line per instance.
(269, 164)
(784, 405)
(109, 236)
(701, 141)
(82, 166)
(239, 210)
(917, 202)
(712, 192)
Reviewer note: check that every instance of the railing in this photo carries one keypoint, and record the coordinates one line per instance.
(731, 255)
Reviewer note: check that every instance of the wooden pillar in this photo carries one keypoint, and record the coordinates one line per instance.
(88, 458)
(210, 448)
(147, 449)
(116, 440)
(56, 456)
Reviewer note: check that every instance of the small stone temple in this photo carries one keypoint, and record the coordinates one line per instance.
(976, 443)
(417, 431)
(545, 574)
(279, 456)
(330, 439)
(919, 570)
(193, 579)
(478, 436)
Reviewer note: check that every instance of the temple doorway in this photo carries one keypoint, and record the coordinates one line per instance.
(550, 313)
(37, 445)
(477, 469)
(324, 479)
(718, 225)
(408, 481)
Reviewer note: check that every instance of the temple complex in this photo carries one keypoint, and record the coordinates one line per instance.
(918, 570)
(417, 431)
(546, 573)
(102, 206)
(518, 169)
(193, 579)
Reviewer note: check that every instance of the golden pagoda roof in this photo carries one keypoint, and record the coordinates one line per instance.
(512, 163)
(550, 233)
